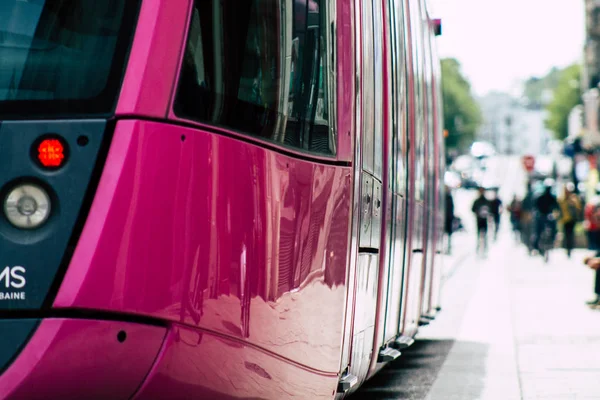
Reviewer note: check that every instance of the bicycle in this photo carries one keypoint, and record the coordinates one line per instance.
(546, 240)
(482, 241)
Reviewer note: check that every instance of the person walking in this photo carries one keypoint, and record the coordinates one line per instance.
(570, 209)
(449, 219)
(514, 208)
(591, 225)
(526, 220)
(496, 210)
(594, 263)
(482, 210)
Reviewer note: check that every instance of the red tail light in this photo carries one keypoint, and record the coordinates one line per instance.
(51, 153)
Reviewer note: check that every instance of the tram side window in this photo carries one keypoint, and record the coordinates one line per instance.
(368, 87)
(398, 71)
(419, 99)
(260, 67)
(428, 116)
(379, 115)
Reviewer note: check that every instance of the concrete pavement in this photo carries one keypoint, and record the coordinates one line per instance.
(511, 327)
(526, 332)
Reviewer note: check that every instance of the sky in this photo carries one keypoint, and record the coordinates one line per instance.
(500, 43)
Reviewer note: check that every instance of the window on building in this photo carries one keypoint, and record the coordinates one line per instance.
(260, 67)
(595, 14)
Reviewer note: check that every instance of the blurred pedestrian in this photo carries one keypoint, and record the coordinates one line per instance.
(594, 263)
(527, 208)
(591, 225)
(482, 210)
(570, 209)
(545, 206)
(449, 219)
(496, 210)
(514, 208)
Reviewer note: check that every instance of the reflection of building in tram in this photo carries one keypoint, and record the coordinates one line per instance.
(262, 67)
(285, 73)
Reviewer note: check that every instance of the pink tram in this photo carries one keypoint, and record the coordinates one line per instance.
(215, 199)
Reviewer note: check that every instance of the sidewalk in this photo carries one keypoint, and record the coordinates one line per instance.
(524, 332)
(460, 251)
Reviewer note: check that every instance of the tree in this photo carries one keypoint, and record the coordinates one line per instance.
(462, 116)
(566, 96)
(535, 88)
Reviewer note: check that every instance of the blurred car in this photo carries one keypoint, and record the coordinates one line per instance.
(467, 169)
(478, 177)
(452, 180)
(544, 166)
(489, 184)
(564, 167)
(483, 163)
(463, 163)
(482, 149)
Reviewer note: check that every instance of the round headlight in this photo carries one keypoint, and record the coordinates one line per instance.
(27, 206)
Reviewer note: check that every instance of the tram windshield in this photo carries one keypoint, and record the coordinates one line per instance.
(63, 56)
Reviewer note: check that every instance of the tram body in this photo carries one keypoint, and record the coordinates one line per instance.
(215, 199)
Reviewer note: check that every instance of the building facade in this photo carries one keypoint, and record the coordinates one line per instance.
(591, 67)
(590, 77)
(512, 127)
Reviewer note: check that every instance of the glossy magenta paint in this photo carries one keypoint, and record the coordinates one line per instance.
(195, 364)
(218, 234)
(384, 254)
(82, 359)
(346, 80)
(154, 58)
(440, 168)
(346, 62)
(413, 260)
(240, 247)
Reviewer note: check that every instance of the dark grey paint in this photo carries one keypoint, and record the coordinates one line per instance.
(13, 334)
(40, 251)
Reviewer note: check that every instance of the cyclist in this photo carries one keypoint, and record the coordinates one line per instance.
(482, 209)
(545, 205)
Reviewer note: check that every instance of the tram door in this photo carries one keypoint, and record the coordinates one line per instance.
(431, 186)
(413, 273)
(440, 168)
(397, 184)
(369, 162)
